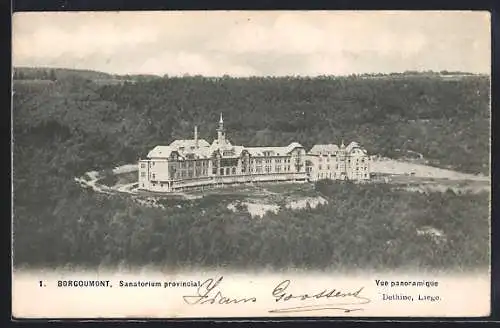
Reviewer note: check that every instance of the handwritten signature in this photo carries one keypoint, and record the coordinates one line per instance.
(345, 300)
(209, 292)
(205, 295)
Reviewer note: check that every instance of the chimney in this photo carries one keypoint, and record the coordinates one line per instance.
(196, 136)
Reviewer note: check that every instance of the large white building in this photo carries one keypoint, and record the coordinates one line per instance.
(338, 163)
(194, 163)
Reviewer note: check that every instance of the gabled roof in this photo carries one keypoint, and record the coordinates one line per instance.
(234, 151)
(161, 152)
(353, 145)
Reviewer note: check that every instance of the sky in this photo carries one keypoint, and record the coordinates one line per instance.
(254, 43)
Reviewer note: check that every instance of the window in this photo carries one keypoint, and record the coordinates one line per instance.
(228, 172)
(328, 167)
(320, 159)
(221, 171)
(153, 176)
(143, 166)
(319, 167)
(234, 170)
(278, 168)
(143, 174)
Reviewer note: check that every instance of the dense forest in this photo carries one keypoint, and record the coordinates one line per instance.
(66, 124)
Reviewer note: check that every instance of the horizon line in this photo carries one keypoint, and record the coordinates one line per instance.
(187, 74)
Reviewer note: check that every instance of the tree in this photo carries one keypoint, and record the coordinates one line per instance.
(52, 75)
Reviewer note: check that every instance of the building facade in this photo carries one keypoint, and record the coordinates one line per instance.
(330, 161)
(195, 163)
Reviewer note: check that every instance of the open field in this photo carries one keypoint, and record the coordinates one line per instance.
(389, 166)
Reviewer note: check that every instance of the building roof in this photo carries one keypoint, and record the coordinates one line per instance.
(216, 145)
(324, 149)
(275, 151)
(202, 152)
(332, 149)
(293, 145)
(188, 143)
(161, 152)
(354, 145)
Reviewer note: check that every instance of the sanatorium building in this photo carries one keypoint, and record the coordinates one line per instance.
(194, 163)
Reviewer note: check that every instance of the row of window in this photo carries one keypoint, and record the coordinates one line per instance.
(336, 159)
(205, 163)
(339, 176)
(320, 167)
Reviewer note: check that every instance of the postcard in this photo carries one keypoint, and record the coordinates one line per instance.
(242, 164)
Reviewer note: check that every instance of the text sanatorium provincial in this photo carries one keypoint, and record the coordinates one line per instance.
(122, 283)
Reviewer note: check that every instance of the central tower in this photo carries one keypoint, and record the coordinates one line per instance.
(220, 131)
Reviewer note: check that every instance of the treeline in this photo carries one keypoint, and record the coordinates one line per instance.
(73, 125)
(47, 73)
(446, 121)
(42, 74)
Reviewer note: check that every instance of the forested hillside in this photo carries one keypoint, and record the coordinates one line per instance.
(66, 124)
